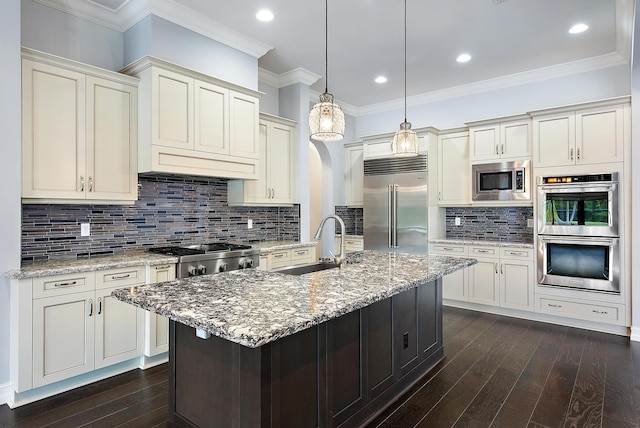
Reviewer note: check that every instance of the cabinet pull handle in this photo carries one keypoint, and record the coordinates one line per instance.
(501, 269)
(278, 256)
(90, 184)
(497, 149)
(571, 154)
(299, 253)
(65, 284)
(99, 305)
(496, 265)
(439, 196)
(502, 148)
(120, 276)
(163, 267)
(599, 312)
(516, 253)
(551, 305)
(578, 152)
(448, 249)
(82, 183)
(90, 307)
(483, 251)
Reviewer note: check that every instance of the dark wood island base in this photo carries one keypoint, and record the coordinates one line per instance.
(342, 372)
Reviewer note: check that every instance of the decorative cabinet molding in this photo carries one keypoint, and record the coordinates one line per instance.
(276, 172)
(194, 124)
(156, 326)
(454, 173)
(79, 132)
(505, 138)
(354, 174)
(593, 133)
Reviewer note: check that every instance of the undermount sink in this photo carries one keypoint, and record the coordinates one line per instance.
(308, 268)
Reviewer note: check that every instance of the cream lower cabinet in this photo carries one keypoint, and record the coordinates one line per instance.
(157, 326)
(275, 183)
(455, 286)
(351, 243)
(484, 286)
(287, 257)
(68, 325)
(79, 132)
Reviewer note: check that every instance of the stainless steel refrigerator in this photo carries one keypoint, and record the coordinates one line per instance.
(395, 204)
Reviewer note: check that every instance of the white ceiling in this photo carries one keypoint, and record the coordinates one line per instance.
(504, 37)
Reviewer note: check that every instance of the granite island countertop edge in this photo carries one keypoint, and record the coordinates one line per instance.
(252, 307)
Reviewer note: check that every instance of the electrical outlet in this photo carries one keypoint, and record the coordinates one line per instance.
(530, 223)
(457, 221)
(249, 224)
(85, 229)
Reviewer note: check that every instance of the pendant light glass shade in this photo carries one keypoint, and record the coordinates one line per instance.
(405, 142)
(326, 119)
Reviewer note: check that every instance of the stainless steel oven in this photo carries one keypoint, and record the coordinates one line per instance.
(585, 263)
(578, 205)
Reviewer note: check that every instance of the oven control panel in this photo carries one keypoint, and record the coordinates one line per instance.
(590, 178)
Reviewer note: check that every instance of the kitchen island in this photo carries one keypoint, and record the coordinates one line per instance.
(329, 348)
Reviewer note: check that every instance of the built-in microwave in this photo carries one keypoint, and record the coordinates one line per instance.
(501, 181)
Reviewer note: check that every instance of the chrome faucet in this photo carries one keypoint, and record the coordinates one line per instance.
(339, 259)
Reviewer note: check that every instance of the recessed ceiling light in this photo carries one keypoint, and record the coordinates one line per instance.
(578, 28)
(463, 58)
(264, 15)
(381, 79)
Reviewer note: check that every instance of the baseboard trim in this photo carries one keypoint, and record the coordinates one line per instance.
(5, 393)
(635, 334)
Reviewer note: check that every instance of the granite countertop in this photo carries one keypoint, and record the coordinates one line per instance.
(269, 246)
(253, 307)
(65, 266)
(482, 243)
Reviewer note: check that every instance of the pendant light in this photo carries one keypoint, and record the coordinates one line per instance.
(405, 142)
(326, 119)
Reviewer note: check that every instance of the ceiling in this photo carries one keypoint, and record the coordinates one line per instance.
(504, 37)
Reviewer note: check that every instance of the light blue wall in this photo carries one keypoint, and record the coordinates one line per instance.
(270, 100)
(49, 30)
(451, 113)
(137, 40)
(9, 170)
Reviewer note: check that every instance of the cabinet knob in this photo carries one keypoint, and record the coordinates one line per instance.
(578, 153)
(571, 154)
(82, 183)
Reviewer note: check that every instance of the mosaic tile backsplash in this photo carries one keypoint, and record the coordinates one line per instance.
(169, 211)
(490, 224)
(352, 218)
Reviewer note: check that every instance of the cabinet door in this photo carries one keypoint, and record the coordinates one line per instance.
(211, 118)
(515, 140)
(112, 169)
(483, 282)
(517, 285)
(454, 186)
(172, 118)
(280, 158)
(484, 142)
(119, 330)
(554, 138)
(355, 176)
(600, 135)
(258, 191)
(243, 126)
(53, 132)
(63, 337)
(454, 285)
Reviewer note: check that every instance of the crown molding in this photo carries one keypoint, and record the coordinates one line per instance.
(297, 75)
(119, 19)
(567, 69)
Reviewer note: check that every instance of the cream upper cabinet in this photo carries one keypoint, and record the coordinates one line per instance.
(379, 146)
(588, 134)
(354, 174)
(454, 173)
(79, 132)
(275, 183)
(191, 123)
(506, 138)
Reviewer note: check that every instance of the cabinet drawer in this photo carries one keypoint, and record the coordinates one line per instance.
(63, 284)
(120, 277)
(354, 244)
(516, 253)
(279, 259)
(484, 251)
(305, 255)
(586, 311)
(449, 250)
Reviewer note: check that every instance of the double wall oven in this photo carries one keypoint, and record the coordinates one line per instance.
(578, 237)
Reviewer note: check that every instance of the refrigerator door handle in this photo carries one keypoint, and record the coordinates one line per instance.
(390, 215)
(395, 216)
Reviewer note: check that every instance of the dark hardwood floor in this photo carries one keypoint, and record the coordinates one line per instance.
(499, 372)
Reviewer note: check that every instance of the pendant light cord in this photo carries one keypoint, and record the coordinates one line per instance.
(326, 46)
(405, 60)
